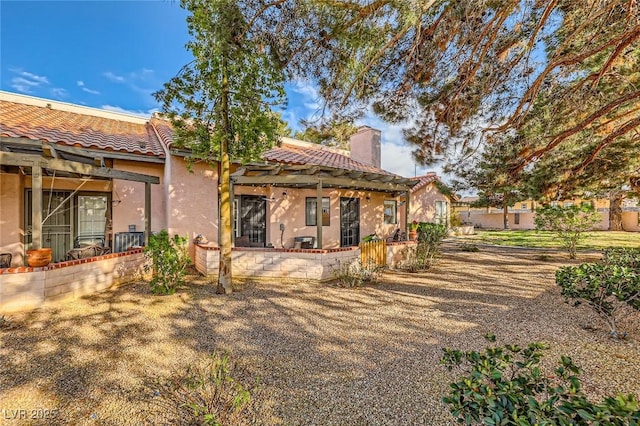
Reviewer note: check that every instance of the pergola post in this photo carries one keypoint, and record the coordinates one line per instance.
(36, 207)
(319, 214)
(147, 212)
(407, 201)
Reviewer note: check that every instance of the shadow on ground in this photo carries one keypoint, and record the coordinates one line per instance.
(324, 354)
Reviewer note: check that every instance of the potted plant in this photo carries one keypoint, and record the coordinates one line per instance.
(413, 230)
(39, 257)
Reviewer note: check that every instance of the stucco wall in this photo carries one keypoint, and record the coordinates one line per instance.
(290, 211)
(28, 288)
(630, 221)
(494, 220)
(423, 204)
(130, 209)
(191, 200)
(11, 221)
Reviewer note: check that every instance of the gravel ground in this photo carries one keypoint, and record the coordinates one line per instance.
(324, 355)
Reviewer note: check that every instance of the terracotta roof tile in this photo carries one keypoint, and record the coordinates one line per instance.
(424, 180)
(75, 129)
(319, 156)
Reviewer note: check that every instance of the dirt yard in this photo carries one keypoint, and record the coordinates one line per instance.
(324, 355)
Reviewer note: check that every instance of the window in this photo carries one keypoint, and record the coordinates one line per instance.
(516, 219)
(441, 212)
(568, 203)
(311, 211)
(554, 204)
(92, 218)
(638, 218)
(390, 211)
(523, 206)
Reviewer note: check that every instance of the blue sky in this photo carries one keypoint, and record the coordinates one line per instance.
(115, 54)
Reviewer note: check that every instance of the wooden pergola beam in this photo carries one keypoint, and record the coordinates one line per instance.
(32, 160)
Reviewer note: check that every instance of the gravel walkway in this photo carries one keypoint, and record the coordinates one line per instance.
(325, 355)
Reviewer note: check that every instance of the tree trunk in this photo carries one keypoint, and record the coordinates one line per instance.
(505, 216)
(225, 277)
(615, 210)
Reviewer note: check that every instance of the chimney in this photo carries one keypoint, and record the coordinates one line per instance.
(365, 146)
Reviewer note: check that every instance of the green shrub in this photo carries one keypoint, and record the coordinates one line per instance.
(207, 393)
(469, 248)
(169, 260)
(507, 386)
(570, 223)
(430, 236)
(355, 273)
(622, 257)
(607, 286)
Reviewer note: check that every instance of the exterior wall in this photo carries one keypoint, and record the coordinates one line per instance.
(290, 211)
(422, 206)
(191, 200)
(631, 221)
(12, 193)
(494, 220)
(397, 252)
(365, 146)
(315, 265)
(130, 209)
(29, 288)
(11, 218)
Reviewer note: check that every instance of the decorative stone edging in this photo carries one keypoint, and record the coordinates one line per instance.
(58, 265)
(281, 250)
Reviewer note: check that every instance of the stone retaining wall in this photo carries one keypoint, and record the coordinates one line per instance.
(25, 288)
(308, 264)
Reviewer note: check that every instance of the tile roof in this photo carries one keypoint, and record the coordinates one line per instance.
(318, 156)
(22, 120)
(424, 180)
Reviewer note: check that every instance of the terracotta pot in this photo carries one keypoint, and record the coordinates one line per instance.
(38, 257)
(413, 235)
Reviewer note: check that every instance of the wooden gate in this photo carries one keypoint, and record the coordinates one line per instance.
(374, 252)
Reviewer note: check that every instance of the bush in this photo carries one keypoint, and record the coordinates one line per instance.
(469, 247)
(354, 273)
(207, 394)
(570, 223)
(169, 260)
(430, 236)
(607, 286)
(506, 386)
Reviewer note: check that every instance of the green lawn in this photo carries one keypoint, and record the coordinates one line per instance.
(544, 239)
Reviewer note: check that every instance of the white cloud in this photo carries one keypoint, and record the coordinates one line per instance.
(309, 94)
(140, 113)
(396, 152)
(114, 77)
(26, 82)
(81, 84)
(59, 92)
(31, 76)
(93, 92)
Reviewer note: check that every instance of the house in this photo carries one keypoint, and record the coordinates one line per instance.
(521, 215)
(112, 179)
(429, 203)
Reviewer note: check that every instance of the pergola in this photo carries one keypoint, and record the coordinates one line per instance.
(20, 155)
(320, 177)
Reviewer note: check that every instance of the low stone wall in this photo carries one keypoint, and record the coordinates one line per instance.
(308, 264)
(397, 252)
(25, 288)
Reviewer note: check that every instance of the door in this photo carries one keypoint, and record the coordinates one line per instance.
(441, 212)
(56, 225)
(349, 222)
(253, 222)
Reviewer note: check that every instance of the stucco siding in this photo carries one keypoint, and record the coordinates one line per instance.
(128, 198)
(11, 220)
